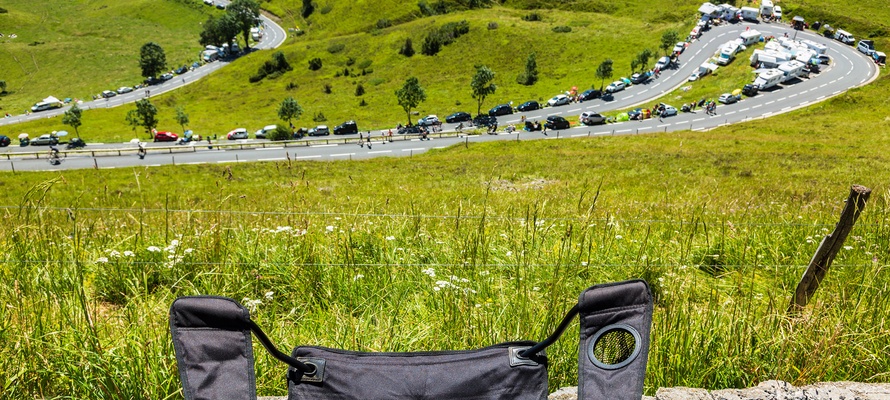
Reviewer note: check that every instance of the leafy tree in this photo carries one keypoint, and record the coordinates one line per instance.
(431, 44)
(246, 14)
(604, 71)
(218, 31)
(72, 118)
(145, 115)
(668, 39)
(152, 59)
(359, 90)
(530, 76)
(643, 59)
(181, 117)
(482, 85)
(410, 96)
(308, 8)
(289, 110)
(2, 86)
(407, 49)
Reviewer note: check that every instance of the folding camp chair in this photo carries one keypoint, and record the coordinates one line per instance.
(211, 338)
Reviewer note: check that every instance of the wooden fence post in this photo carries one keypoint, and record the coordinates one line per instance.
(829, 248)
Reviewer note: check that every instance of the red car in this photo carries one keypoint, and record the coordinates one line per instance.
(166, 137)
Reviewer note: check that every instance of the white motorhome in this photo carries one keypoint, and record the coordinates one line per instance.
(768, 59)
(766, 8)
(768, 79)
(750, 13)
(791, 69)
(729, 12)
(728, 51)
(844, 37)
(750, 37)
(819, 48)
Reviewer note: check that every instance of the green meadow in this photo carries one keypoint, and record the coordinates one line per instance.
(460, 247)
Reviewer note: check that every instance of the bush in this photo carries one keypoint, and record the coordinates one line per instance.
(364, 64)
(291, 86)
(315, 64)
(383, 23)
(308, 8)
(562, 29)
(326, 9)
(273, 68)
(327, 88)
(336, 48)
(431, 44)
(407, 49)
(350, 61)
(492, 26)
(280, 133)
(533, 17)
(444, 36)
(256, 78)
(359, 90)
(319, 118)
(3, 10)
(362, 103)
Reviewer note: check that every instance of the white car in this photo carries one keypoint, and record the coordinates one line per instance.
(662, 63)
(777, 12)
(668, 110)
(239, 133)
(261, 133)
(616, 86)
(124, 89)
(592, 118)
(559, 100)
(679, 47)
(208, 2)
(429, 120)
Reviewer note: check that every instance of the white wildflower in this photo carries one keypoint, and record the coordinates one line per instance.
(583, 263)
(509, 253)
(102, 260)
(357, 277)
(436, 288)
(329, 228)
(535, 289)
(484, 273)
(251, 304)
(390, 238)
(114, 253)
(848, 247)
(619, 237)
(128, 253)
(153, 249)
(430, 272)
(189, 250)
(268, 295)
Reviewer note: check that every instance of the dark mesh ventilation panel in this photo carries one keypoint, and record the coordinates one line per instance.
(614, 346)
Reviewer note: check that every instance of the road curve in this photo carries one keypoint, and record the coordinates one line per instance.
(273, 36)
(849, 69)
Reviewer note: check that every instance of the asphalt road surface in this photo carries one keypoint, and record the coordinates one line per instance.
(849, 69)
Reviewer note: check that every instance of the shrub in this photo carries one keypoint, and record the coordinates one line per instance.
(327, 88)
(562, 29)
(3, 10)
(291, 86)
(383, 23)
(444, 36)
(362, 103)
(364, 64)
(336, 48)
(308, 8)
(272, 68)
(281, 132)
(319, 118)
(533, 17)
(492, 25)
(407, 49)
(350, 61)
(315, 64)
(359, 90)
(431, 44)
(326, 9)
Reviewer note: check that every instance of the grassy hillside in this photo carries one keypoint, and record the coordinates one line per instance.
(79, 48)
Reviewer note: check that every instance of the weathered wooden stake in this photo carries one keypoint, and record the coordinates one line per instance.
(829, 248)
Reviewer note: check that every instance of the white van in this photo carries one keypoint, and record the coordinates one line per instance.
(750, 37)
(844, 37)
(750, 13)
(766, 8)
(262, 133)
(768, 79)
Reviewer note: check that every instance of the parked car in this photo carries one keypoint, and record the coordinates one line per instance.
(124, 89)
(728, 98)
(429, 120)
(500, 109)
(777, 12)
(590, 94)
(108, 94)
(639, 78)
(346, 128)
(668, 110)
(221, 6)
(679, 47)
(321, 130)
(616, 86)
(237, 133)
(663, 63)
(459, 116)
(750, 90)
(264, 132)
(592, 118)
(557, 122)
(824, 59)
(4, 141)
(165, 136)
(866, 47)
(208, 2)
(559, 100)
(485, 120)
(165, 77)
(151, 81)
(530, 105)
(47, 139)
(181, 70)
(410, 130)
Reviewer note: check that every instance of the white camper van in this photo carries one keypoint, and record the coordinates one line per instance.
(768, 59)
(768, 79)
(844, 37)
(750, 37)
(750, 13)
(728, 51)
(791, 69)
(766, 8)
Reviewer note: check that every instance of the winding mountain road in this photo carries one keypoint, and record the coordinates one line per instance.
(848, 69)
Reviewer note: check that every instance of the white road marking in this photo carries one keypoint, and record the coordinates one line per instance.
(820, 97)
(324, 145)
(770, 102)
(302, 157)
(571, 111)
(269, 148)
(380, 152)
(579, 135)
(759, 105)
(699, 119)
(731, 112)
(415, 149)
(624, 130)
(662, 126)
(273, 159)
(343, 155)
(745, 109)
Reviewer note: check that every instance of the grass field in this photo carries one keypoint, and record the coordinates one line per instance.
(461, 247)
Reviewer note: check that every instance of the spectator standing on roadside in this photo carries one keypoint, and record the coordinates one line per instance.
(361, 140)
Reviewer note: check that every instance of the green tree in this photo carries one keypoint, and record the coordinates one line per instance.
(668, 39)
(181, 117)
(407, 49)
(2, 86)
(289, 110)
(218, 31)
(604, 71)
(307, 9)
(72, 118)
(483, 85)
(246, 14)
(643, 59)
(145, 115)
(152, 59)
(530, 75)
(410, 96)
